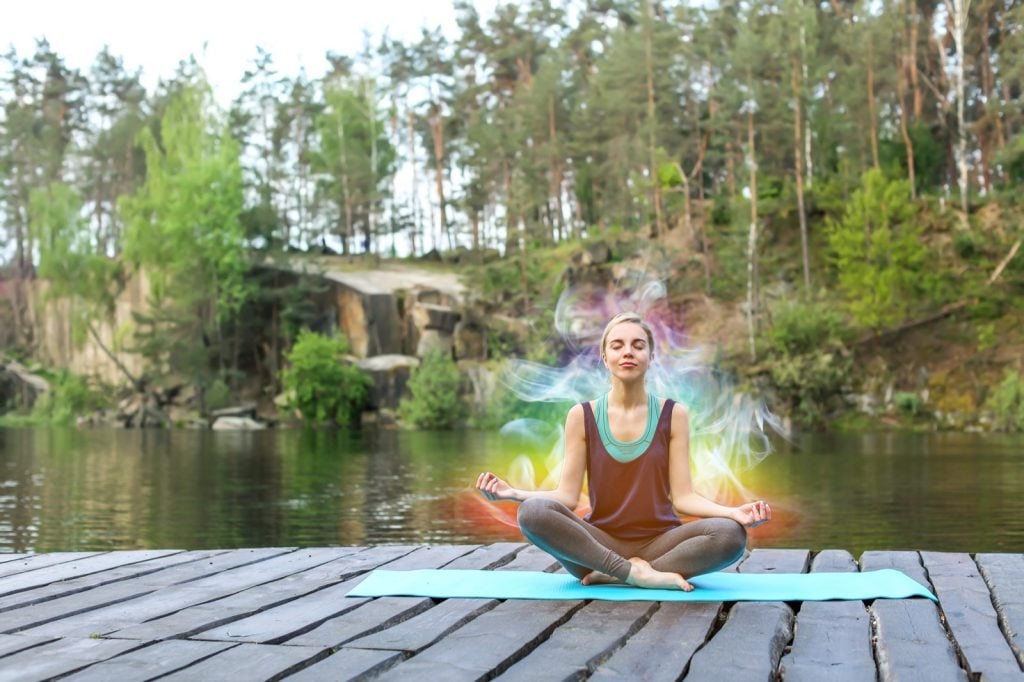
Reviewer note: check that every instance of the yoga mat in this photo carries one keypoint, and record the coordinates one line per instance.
(882, 584)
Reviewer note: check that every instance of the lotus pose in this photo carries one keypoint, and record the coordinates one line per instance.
(635, 451)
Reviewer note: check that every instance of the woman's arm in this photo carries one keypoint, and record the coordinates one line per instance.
(570, 484)
(685, 499)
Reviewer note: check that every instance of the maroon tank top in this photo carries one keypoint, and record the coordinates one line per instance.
(633, 499)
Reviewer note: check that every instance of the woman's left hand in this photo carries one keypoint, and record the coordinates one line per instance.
(752, 514)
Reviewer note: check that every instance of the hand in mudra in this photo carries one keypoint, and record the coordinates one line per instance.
(493, 488)
(752, 514)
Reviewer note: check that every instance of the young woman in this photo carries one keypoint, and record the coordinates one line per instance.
(635, 450)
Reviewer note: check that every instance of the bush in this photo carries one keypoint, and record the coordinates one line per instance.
(908, 404)
(434, 394)
(809, 381)
(70, 396)
(877, 251)
(805, 327)
(325, 388)
(1007, 403)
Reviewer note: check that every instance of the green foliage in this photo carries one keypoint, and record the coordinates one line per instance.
(70, 396)
(986, 335)
(809, 382)
(877, 251)
(799, 327)
(325, 388)
(217, 395)
(1007, 403)
(809, 363)
(907, 403)
(183, 228)
(434, 394)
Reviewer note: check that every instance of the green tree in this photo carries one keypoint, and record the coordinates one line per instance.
(434, 401)
(877, 251)
(183, 229)
(324, 388)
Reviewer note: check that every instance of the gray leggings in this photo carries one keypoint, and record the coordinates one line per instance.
(690, 549)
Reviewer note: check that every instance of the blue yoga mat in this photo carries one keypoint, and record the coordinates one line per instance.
(883, 584)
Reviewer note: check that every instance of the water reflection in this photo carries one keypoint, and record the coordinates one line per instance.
(96, 490)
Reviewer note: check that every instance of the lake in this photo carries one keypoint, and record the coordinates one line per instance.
(68, 489)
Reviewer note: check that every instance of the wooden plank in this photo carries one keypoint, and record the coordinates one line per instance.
(239, 663)
(662, 648)
(34, 562)
(10, 644)
(388, 611)
(574, 649)
(834, 561)
(905, 561)
(312, 590)
(750, 643)
(60, 657)
(80, 567)
(54, 590)
(1004, 575)
(13, 556)
(832, 636)
(348, 664)
(36, 614)
(910, 640)
(911, 644)
(967, 606)
(150, 662)
(425, 628)
(172, 598)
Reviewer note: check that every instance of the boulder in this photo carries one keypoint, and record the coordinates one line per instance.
(390, 374)
(470, 341)
(434, 341)
(422, 318)
(19, 388)
(237, 424)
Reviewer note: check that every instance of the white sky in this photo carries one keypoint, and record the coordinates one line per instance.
(223, 36)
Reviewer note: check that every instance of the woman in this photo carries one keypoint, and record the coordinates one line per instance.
(634, 449)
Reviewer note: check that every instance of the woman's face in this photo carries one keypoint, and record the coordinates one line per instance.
(627, 352)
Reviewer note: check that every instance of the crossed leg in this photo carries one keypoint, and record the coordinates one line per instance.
(594, 556)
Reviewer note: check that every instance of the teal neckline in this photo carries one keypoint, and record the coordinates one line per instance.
(626, 451)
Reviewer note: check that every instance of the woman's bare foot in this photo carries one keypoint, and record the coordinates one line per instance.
(642, 574)
(599, 578)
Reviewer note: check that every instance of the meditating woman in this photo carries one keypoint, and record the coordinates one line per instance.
(635, 451)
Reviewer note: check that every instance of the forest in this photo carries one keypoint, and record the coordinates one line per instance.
(865, 155)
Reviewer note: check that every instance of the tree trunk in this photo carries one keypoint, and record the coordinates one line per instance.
(556, 169)
(799, 171)
(872, 122)
(908, 142)
(414, 231)
(958, 10)
(752, 266)
(437, 133)
(651, 122)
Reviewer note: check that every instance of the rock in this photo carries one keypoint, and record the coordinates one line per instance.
(180, 416)
(237, 424)
(19, 388)
(470, 341)
(390, 374)
(243, 410)
(423, 317)
(434, 341)
(480, 386)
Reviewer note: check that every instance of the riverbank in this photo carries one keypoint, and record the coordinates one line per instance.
(282, 612)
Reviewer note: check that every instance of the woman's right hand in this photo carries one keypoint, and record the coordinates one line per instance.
(493, 488)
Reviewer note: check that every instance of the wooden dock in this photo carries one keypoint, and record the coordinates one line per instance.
(256, 614)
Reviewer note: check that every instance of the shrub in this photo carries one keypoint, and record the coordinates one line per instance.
(1007, 403)
(908, 404)
(325, 388)
(434, 394)
(877, 251)
(805, 327)
(70, 396)
(809, 381)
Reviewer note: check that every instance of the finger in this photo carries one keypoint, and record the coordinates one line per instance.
(480, 481)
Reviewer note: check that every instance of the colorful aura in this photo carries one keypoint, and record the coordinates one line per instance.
(729, 429)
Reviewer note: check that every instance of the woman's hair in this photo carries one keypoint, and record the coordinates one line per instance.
(627, 317)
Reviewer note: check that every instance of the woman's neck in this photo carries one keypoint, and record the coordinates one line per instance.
(627, 395)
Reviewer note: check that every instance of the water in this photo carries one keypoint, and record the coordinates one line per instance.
(112, 489)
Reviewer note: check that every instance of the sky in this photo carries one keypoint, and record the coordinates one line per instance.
(223, 36)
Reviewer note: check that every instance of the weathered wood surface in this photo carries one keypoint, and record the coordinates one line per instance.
(260, 614)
